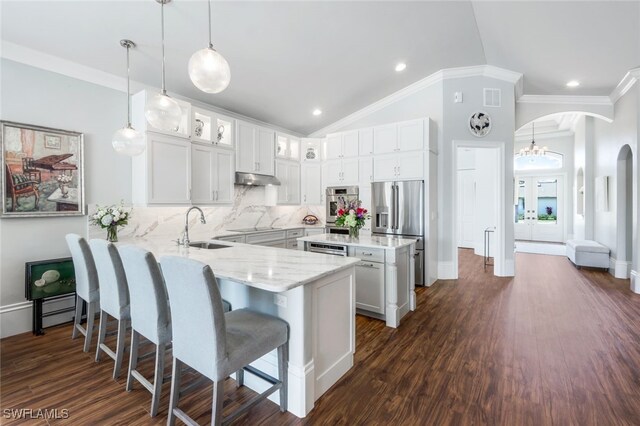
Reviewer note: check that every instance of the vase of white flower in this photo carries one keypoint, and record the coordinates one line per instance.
(112, 233)
(110, 218)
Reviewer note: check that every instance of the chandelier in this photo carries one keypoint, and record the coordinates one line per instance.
(533, 149)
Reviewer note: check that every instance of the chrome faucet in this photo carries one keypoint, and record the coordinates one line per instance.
(185, 233)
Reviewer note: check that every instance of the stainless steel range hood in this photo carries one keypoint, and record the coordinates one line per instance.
(253, 179)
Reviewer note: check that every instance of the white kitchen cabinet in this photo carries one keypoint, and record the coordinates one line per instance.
(313, 231)
(255, 150)
(399, 137)
(211, 175)
(162, 174)
(340, 172)
(365, 170)
(202, 174)
(288, 173)
(265, 151)
(365, 142)
(398, 166)
(287, 147)
(311, 183)
(385, 139)
(140, 123)
(342, 145)
(370, 287)
(411, 135)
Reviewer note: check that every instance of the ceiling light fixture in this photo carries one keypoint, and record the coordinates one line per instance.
(128, 141)
(209, 71)
(161, 111)
(401, 67)
(317, 111)
(533, 149)
(573, 83)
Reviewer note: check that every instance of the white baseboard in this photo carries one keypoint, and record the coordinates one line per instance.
(17, 318)
(508, 269)
(635, 282)
(446, 271)
(619, 268)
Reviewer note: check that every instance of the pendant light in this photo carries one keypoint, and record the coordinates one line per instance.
(209, 71)
(161, 111)
(128, 141)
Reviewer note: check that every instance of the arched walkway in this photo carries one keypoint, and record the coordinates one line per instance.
(624, 212)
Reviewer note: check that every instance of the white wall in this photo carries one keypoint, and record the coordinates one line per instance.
(609, 139)
(34, 96)
(455, 122)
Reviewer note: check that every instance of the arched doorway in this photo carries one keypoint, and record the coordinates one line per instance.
(624, 212)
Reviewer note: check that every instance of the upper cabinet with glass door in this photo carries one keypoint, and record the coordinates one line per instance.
(287, 147)
(211, 128)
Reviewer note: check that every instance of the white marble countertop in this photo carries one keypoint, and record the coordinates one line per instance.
(373, 241)
(267, 268)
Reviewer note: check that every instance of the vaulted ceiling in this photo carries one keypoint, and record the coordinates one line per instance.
(288, 58)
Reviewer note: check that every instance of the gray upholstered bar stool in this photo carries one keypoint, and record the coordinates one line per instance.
(217, 344)
(149, 315)
(86, 286)
(114, 298)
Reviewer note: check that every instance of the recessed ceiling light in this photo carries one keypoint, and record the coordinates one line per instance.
(317, 111)
(573, 83)
(401, 66)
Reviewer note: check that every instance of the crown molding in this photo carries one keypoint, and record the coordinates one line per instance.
(45, 61)
(565, 99)
(625, 84)
(435, 78)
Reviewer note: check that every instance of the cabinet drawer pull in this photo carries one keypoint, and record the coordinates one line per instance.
(367, 265)
(367, 254)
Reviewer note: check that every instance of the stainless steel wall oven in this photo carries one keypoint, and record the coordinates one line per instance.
(337, 196)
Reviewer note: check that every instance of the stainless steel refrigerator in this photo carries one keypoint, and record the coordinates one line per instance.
(397, 208)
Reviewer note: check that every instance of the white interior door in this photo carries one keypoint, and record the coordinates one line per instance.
(466, 208)
(539, 212)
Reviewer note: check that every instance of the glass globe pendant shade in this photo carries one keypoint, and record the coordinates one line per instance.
(128, 141)
(209, 71)
(163, 113)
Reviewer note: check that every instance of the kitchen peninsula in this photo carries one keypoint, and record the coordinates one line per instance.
(314, 293)
(385, 273)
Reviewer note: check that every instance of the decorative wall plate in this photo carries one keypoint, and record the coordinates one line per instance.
(480, 124)
(199, 127)
(311, 153)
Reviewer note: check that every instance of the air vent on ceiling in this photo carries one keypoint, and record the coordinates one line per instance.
(492, 98)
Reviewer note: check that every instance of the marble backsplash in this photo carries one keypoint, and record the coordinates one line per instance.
(247, 210)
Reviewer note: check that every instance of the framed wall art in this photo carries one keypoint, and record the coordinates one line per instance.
(43, 171)
(48, 278)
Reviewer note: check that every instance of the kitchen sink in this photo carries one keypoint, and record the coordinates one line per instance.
(207, 245)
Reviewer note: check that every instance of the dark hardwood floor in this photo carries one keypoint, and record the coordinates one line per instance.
(555, 345)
